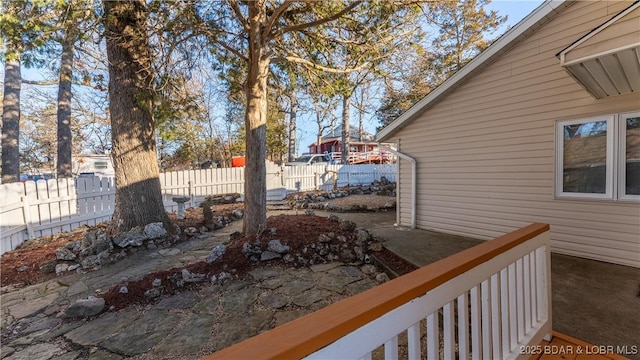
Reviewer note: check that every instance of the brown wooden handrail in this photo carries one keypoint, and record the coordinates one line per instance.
(312, 332)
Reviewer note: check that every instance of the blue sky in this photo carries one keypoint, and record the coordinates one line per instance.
(515, 10)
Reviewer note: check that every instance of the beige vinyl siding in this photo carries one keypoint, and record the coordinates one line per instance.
(620, 34)
(486, 152)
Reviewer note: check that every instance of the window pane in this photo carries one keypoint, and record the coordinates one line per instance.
(632, 182)
(585, 158)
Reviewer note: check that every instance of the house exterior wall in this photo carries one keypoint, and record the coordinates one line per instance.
(620, 34)
(486, 152)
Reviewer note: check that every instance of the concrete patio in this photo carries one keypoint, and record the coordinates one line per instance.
(593, 301)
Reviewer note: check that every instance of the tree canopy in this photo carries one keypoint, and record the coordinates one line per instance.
(216, 78)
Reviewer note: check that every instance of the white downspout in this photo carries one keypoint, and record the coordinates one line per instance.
(414, 185)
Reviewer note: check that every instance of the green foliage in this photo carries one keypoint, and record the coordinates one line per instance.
(463, 26)
(26, 27)
(462, 29)
(276, 130)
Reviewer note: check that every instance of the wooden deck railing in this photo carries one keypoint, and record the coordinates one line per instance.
(485, 302)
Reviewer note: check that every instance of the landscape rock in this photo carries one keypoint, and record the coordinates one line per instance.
(65, 254)
(152, 293)
(73, 267)
(347, 225)
(269, 255)
(362, 236)
(277, 247)
(93, 261)
(85, 307)
(368, 269)
(190, 277)
(238, 214)
(95, 242)
(359, 253)
(324, 238)
(375, 246)
(216, 253)
(382, 277)
(347, 255)
(131, 238)
(252, 251)
(49, 267)
(154, 231)
(60, 268)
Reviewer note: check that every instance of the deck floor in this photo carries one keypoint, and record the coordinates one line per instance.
(563, 346)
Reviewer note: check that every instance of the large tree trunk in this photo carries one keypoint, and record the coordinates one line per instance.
(138, 198)
(11, 120)
(346, 128)
(63, 166)
(255, 190)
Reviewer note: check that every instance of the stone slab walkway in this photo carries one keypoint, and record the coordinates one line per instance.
(184, 326)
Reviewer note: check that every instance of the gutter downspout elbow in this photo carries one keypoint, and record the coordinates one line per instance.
(414, 185)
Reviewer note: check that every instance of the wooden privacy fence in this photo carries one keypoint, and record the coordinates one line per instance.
(46, 207)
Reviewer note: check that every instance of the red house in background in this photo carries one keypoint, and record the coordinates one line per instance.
(362, 148)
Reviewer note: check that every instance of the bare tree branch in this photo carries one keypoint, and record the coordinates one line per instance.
(314, 23)
(236, 9)
(274, 17)
(231, 50)
(40, 82)
(313, 65)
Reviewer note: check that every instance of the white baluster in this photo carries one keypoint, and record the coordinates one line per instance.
(486, 319)
(504, 310)
(495, 316)
(391, 349)
(413, 341)
(520, 298)
(463, 326)
(433, 336)
(476, 324)
(449, 330)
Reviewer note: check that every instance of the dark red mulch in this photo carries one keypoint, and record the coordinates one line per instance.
(296, 231)
(395, 262)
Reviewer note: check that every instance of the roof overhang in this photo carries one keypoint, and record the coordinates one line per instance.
(532, 22)
(606, 61)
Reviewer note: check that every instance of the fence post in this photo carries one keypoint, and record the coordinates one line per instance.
(191, 193)
(27, 216)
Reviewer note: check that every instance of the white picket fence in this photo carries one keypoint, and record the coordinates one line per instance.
(46, 207)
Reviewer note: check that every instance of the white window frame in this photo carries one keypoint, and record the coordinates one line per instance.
(615, 186)
(622, 151)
